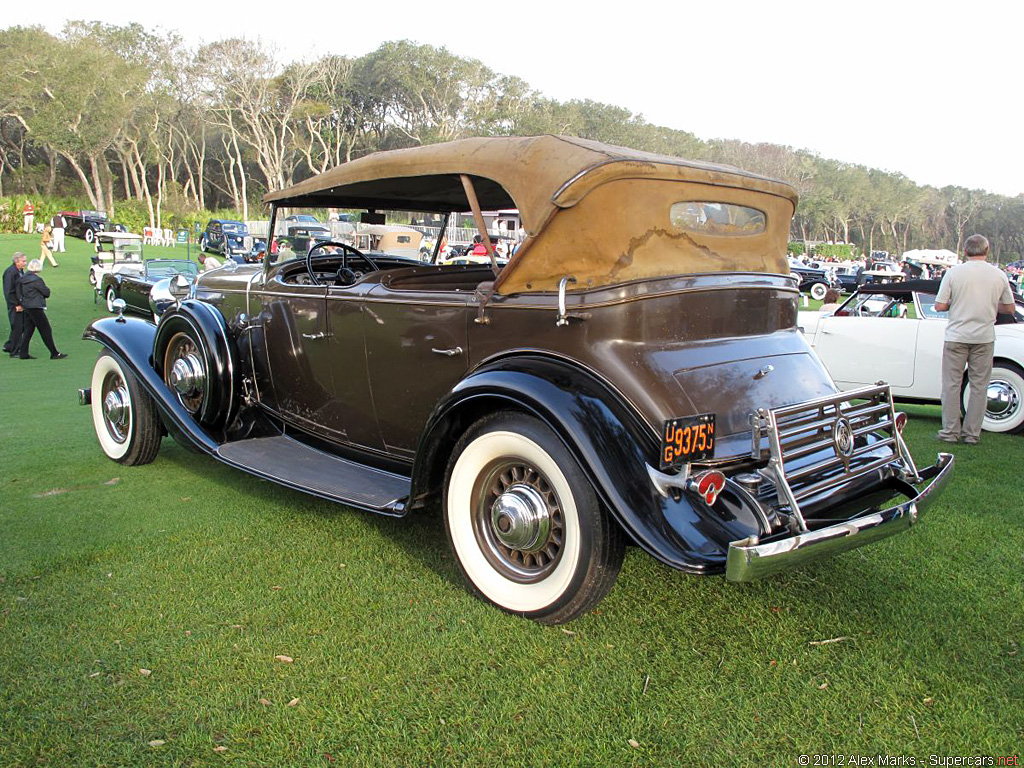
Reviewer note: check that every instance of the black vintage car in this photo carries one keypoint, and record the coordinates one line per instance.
(814, 280)
(226, 237)
(634, 374)
(146, 291)
(85, 224)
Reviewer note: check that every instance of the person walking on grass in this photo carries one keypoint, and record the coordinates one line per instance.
(33, 295)
(44, 244)
(59, 223)
(972, 292)
(12, 294)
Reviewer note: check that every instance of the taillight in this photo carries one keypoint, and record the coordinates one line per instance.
(901, 421)
(707, 485)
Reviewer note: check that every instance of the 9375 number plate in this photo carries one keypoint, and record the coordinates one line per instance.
(691, 438)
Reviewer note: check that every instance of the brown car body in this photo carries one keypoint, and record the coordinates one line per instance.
(649, 289)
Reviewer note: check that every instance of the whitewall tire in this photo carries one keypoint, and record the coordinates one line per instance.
(111, 296)
(818, 291)
(526, 527)
(123, 415)
(1004, 410)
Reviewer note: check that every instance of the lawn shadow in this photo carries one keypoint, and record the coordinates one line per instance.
(420, 533)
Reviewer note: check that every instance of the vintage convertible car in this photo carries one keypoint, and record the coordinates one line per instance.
(891, 332)
(634, 374)
(146, 288)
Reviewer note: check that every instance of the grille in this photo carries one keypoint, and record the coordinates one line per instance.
(842, 435)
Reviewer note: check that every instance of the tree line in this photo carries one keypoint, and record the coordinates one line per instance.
(118, 113)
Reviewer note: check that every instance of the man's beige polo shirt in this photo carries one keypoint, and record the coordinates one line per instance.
(973, 291)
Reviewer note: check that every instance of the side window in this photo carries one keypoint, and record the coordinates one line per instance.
(928, 306)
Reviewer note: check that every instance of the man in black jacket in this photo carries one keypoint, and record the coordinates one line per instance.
(33, 293)
(12, 276)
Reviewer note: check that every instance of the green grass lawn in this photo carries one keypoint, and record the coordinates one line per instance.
(203, 575)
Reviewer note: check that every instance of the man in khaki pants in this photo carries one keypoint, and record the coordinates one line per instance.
(973, 292)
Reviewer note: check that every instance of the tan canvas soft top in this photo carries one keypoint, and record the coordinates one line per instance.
(536, 174)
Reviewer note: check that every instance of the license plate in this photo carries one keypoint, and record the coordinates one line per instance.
(691, 438)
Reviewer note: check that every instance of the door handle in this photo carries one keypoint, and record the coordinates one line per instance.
(320, 335)
(447, 352)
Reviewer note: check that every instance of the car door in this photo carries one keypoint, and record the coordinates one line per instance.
(291, 353)
(863, 350)
(416, 351)
(928, 358)
(135, 289)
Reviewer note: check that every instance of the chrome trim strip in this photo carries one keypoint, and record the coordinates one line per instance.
(748, 559)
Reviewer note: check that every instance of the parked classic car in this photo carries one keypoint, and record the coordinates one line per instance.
(633, 374)
(891, 332)
(115, 252)
(814, 280)
(86, 224)
(226, 237)
(146, 289)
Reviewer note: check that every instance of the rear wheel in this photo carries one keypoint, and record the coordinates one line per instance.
(526, 527)
(89, 235)
(123, 414)
(110, 295)
(1004, 409)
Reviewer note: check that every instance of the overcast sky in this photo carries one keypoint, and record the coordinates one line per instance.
(932, 91)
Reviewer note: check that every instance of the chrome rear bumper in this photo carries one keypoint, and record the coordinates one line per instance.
(748, 559)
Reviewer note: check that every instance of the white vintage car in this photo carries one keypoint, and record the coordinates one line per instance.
(892, 333)
(116, 253)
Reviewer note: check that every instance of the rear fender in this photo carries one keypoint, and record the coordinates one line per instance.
(608, 438)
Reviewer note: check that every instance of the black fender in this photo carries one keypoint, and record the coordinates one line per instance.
(611, 442)
(130, 340)
(207, 326)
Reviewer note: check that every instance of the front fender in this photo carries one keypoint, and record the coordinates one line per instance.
(130, 340)
(611, 442)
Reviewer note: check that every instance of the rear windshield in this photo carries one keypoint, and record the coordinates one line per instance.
(723, 219)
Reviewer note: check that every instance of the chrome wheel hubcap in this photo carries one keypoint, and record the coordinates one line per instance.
(1002, 400)
(520, 518)
(518, 521)
(187, 375)
(116, 407)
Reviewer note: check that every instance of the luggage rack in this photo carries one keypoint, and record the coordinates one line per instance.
(847, 428)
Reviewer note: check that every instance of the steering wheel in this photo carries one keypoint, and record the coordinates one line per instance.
(345, 275)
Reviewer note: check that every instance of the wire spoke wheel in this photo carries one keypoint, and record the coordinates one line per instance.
(521, 532)
(185, 371)
(525, 523)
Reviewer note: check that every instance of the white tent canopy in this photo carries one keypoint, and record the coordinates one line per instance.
(939, 258)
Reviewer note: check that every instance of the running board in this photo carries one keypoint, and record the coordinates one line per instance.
(296, 465)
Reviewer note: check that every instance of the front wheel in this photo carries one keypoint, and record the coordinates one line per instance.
(1004, 409)
(525, 524)
(123, 414)
(818, 291)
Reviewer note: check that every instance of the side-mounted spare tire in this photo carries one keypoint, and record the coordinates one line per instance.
(194, 355)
